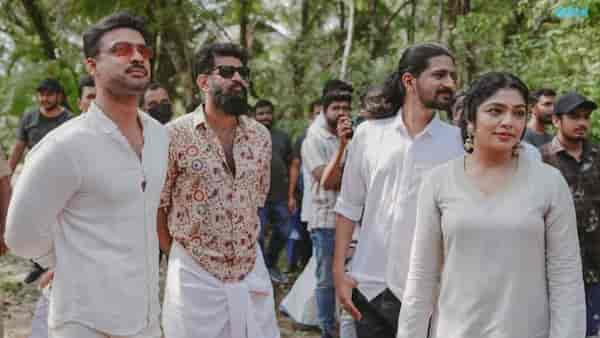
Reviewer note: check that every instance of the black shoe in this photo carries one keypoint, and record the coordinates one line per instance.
(34, 274)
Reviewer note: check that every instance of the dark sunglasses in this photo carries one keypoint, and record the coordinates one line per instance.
(228, 72)
(125, 49)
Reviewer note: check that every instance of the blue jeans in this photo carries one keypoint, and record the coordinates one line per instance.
(275, 213)
(592, 302)
(323, 243)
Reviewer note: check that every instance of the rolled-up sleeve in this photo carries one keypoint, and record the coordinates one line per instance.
(351, 200)
(49, 179)
(313, 153)
(563, 266)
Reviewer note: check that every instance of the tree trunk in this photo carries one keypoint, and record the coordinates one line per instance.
(348, 46)
(243, 15)
(36, 15)
(440, 31)
(410, 32)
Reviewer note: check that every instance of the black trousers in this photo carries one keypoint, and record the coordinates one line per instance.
(379, 316)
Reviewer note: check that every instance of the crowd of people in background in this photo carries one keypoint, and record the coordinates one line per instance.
(431, 212)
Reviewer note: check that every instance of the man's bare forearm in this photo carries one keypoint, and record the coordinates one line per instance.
(332, 175)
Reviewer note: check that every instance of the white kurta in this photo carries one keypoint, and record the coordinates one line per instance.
(197, 304)
(507, 264)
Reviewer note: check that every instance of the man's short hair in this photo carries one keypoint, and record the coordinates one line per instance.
(335, 96)
(264, 103)
(336, 85)
(51, 85)
(149, 87)
(534, 97)
(85, 81)
(205, 58)
(91, 38)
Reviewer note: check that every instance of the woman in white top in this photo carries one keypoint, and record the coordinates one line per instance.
(495, 252)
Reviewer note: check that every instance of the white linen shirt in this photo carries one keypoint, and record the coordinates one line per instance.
(80, 199)
(381, 176)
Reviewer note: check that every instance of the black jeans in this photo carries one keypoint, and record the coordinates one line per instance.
(379, 316)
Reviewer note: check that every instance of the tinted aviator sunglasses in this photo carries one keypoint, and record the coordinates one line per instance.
(228, 72)
(125, 49)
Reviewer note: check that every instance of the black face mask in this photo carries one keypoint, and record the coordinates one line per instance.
(161, 112)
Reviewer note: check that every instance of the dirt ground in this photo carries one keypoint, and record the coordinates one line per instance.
(19, 300)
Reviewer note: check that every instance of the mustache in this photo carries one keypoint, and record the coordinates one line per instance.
(137, 68)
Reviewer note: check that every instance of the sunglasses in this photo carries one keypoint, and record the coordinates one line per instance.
(125, 49)
(228, 72)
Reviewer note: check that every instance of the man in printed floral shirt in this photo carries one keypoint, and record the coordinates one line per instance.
(218, 176)
(579, 161)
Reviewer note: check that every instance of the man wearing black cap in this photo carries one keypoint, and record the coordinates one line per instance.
(579, 161)
(34, 125)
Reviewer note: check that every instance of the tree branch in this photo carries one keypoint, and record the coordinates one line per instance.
(37, 18)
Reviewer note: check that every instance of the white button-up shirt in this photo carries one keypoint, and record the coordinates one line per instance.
(86, 198)
(381, 178)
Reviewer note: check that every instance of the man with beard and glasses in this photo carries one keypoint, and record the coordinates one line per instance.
(578, 158)
(157, 103)
(219, 171)
(541, 106)
(94, 184)
(275, 211)
(34, 125)
(385, 163)
(323, 151)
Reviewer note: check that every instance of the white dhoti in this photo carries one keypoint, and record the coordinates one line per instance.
(300, 303)
(197, 304)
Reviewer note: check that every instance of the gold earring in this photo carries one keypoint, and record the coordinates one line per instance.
(517, 149)
(469, 140)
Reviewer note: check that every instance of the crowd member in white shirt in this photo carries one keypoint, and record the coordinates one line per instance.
(495, 251)
(99, 177)
(386, 160)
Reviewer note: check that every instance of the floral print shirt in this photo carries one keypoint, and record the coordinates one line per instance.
(211, 213)
(583, 178)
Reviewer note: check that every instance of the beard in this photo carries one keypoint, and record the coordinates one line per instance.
(229, 101)
(436, 102)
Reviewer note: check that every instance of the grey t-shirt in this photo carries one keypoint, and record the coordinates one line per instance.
(34, 126)
(280, 163)
(537, 139)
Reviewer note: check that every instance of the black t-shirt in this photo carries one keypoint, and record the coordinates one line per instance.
(280, 163)
(34, 126)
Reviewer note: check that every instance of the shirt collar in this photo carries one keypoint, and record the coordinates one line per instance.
(556, 147)
(106, 124)
(432, 129)
(199, 117)
(321, 126)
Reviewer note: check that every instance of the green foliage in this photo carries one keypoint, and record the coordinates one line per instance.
(297, 45)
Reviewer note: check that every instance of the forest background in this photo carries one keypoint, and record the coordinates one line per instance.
(296, 45)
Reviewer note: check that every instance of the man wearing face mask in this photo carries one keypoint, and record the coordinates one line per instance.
(218, 177)
(157, 103)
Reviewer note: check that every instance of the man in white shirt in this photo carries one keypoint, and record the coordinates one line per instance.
(97, 181)
(385, 163)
